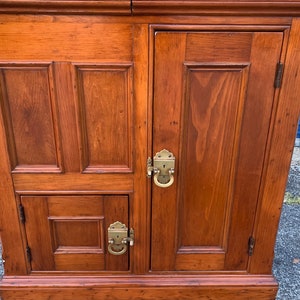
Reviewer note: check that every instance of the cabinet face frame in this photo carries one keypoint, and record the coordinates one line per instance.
(284, 120)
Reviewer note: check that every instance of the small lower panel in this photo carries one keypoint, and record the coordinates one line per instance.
(207, 262)
(69, 232)
(79, 261)
(215, 287)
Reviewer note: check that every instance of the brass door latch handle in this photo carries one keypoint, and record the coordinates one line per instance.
(119, 237)
(163, 168)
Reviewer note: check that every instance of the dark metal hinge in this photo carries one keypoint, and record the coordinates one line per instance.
(22, 214)
(251, 243)
(278, 75)
(28, 253)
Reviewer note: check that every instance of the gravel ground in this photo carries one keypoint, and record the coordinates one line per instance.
(286, 267)
(293, 184)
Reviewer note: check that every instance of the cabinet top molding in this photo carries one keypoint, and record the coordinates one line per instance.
(218, 7)
(103, 7)
(155, 7)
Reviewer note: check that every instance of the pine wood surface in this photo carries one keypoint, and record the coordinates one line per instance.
(86, 98)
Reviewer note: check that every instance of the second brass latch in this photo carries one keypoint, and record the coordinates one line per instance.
(163, 168)
(119, 237)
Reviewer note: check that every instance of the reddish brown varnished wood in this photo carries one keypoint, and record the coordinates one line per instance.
(28, 102)
(140, 201)
(204, 123)
(278, 158)
(145, 287)
(67, 114)
(253, 143)
(217, 7)
(107, 117)
(57, 6)
(104, 93)
(68, 233)
(73, 42)
(9, 218)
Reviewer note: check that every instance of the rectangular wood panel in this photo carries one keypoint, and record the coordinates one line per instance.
(207, 262)
(219, 47)
(74, 232)
(115, 183)
(61, 206)
(78, 243)
(65, 41)
(29, 111)
(79, 261)
(106, 114)
(214, 101)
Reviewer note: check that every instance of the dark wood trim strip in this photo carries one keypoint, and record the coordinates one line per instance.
(105, 7)
(199, 7)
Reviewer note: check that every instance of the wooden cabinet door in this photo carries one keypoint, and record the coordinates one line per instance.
(68, 125)
(213, 97)
(69, 233)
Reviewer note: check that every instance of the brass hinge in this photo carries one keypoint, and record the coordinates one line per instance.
(251, 243)
(28, 254)
(22, 214)
(278, 75)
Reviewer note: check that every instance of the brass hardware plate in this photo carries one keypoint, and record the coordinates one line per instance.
(163, 168)
(119, 237)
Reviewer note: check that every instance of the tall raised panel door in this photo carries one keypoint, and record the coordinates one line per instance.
(145, 146)
(207, 123)
(68, 119)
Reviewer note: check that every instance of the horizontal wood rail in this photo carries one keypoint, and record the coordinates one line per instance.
(140, 287)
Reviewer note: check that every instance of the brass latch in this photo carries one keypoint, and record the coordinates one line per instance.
(119, 237)
(163, 168)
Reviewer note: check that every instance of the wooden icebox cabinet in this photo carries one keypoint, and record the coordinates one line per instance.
(145, 146)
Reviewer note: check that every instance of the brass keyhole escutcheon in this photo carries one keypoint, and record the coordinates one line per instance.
(119, 237)
(163, 168)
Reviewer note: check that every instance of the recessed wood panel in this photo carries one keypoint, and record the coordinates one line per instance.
(214, 101)
(29, 111)
(83, 233)
(105, 110)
